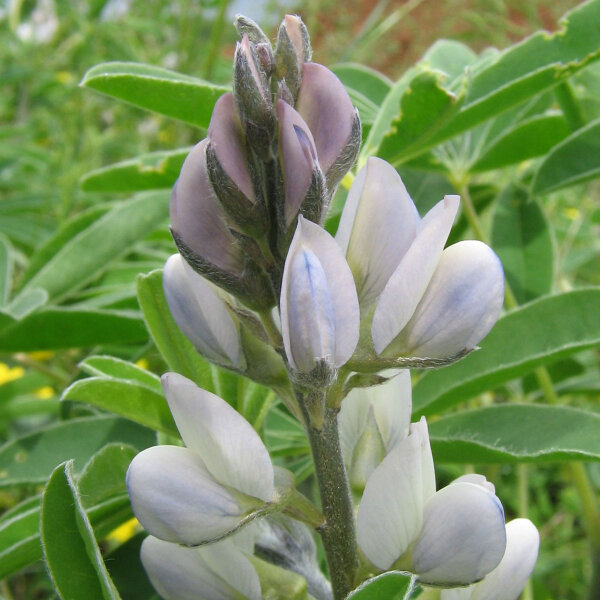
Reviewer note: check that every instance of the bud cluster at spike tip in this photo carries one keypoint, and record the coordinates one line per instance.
(277, 147)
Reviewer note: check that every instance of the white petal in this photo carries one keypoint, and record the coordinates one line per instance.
(508, 579)
(461, 304)
(463, 536)
(409, 281)
(319, 307)
(390, 513)
(233, 452)
(352, 420)
(217, 572)
(392, 402)
(377, 226)
(200, 313)
(477, 480)
(459, 593)
(176, 499)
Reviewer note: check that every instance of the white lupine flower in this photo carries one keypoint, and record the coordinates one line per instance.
(200, 493)
(451, 537)
(220, 571)
(508, 579)
(319, 306)
(371, 422)
(428, 302)
(201, 314)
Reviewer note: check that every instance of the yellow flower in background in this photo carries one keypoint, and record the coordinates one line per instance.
(142, 364)
(8, 374)
(44, 393)
(125, 532)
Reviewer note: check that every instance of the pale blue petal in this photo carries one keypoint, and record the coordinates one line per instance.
(176, 499)
(200, 313)
(216, 572)
(461, 304)
(463, 536)
(229, 446)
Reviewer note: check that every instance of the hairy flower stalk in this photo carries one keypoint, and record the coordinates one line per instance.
(262, 289)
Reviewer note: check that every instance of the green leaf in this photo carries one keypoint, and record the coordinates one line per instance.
(530, 138)
(6, 269)
(27, 302)
(31, 458)
(73, 558)
(492, 85)
(543, 331)
(70, 230)
(449, 56)
(178, 352)
(516, 433)
(19, 538)
(20, 544)
(168, 93)
(393, 585)
(425, 106)
(89, 252)
(522, 239)
(575, 160)
(103, 476)
(126, 398)
(152, 171)
(57, 328)
(110, 366)
(528, 68)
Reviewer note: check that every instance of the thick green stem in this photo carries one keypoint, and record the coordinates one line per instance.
(338, 532)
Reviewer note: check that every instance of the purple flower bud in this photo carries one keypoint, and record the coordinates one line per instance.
(197, 218)
(327, 109)
(293, 50)
(225, 135)
(298, 157)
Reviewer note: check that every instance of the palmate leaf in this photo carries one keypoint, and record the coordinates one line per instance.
(492, 85)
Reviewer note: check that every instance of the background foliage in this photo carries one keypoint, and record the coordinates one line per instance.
(84, 183)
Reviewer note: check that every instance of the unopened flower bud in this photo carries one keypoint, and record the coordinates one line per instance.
(371, 422)
(327, 109)
(228, 169)
(253, 97)
(303, 181)
(246, 26)
(508, 579)
(319, 307)
(292, 51)
(451, 537)
(220, 570)
(198, 220)
(201, 314)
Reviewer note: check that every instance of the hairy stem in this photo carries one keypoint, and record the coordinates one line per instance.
(337, 532)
